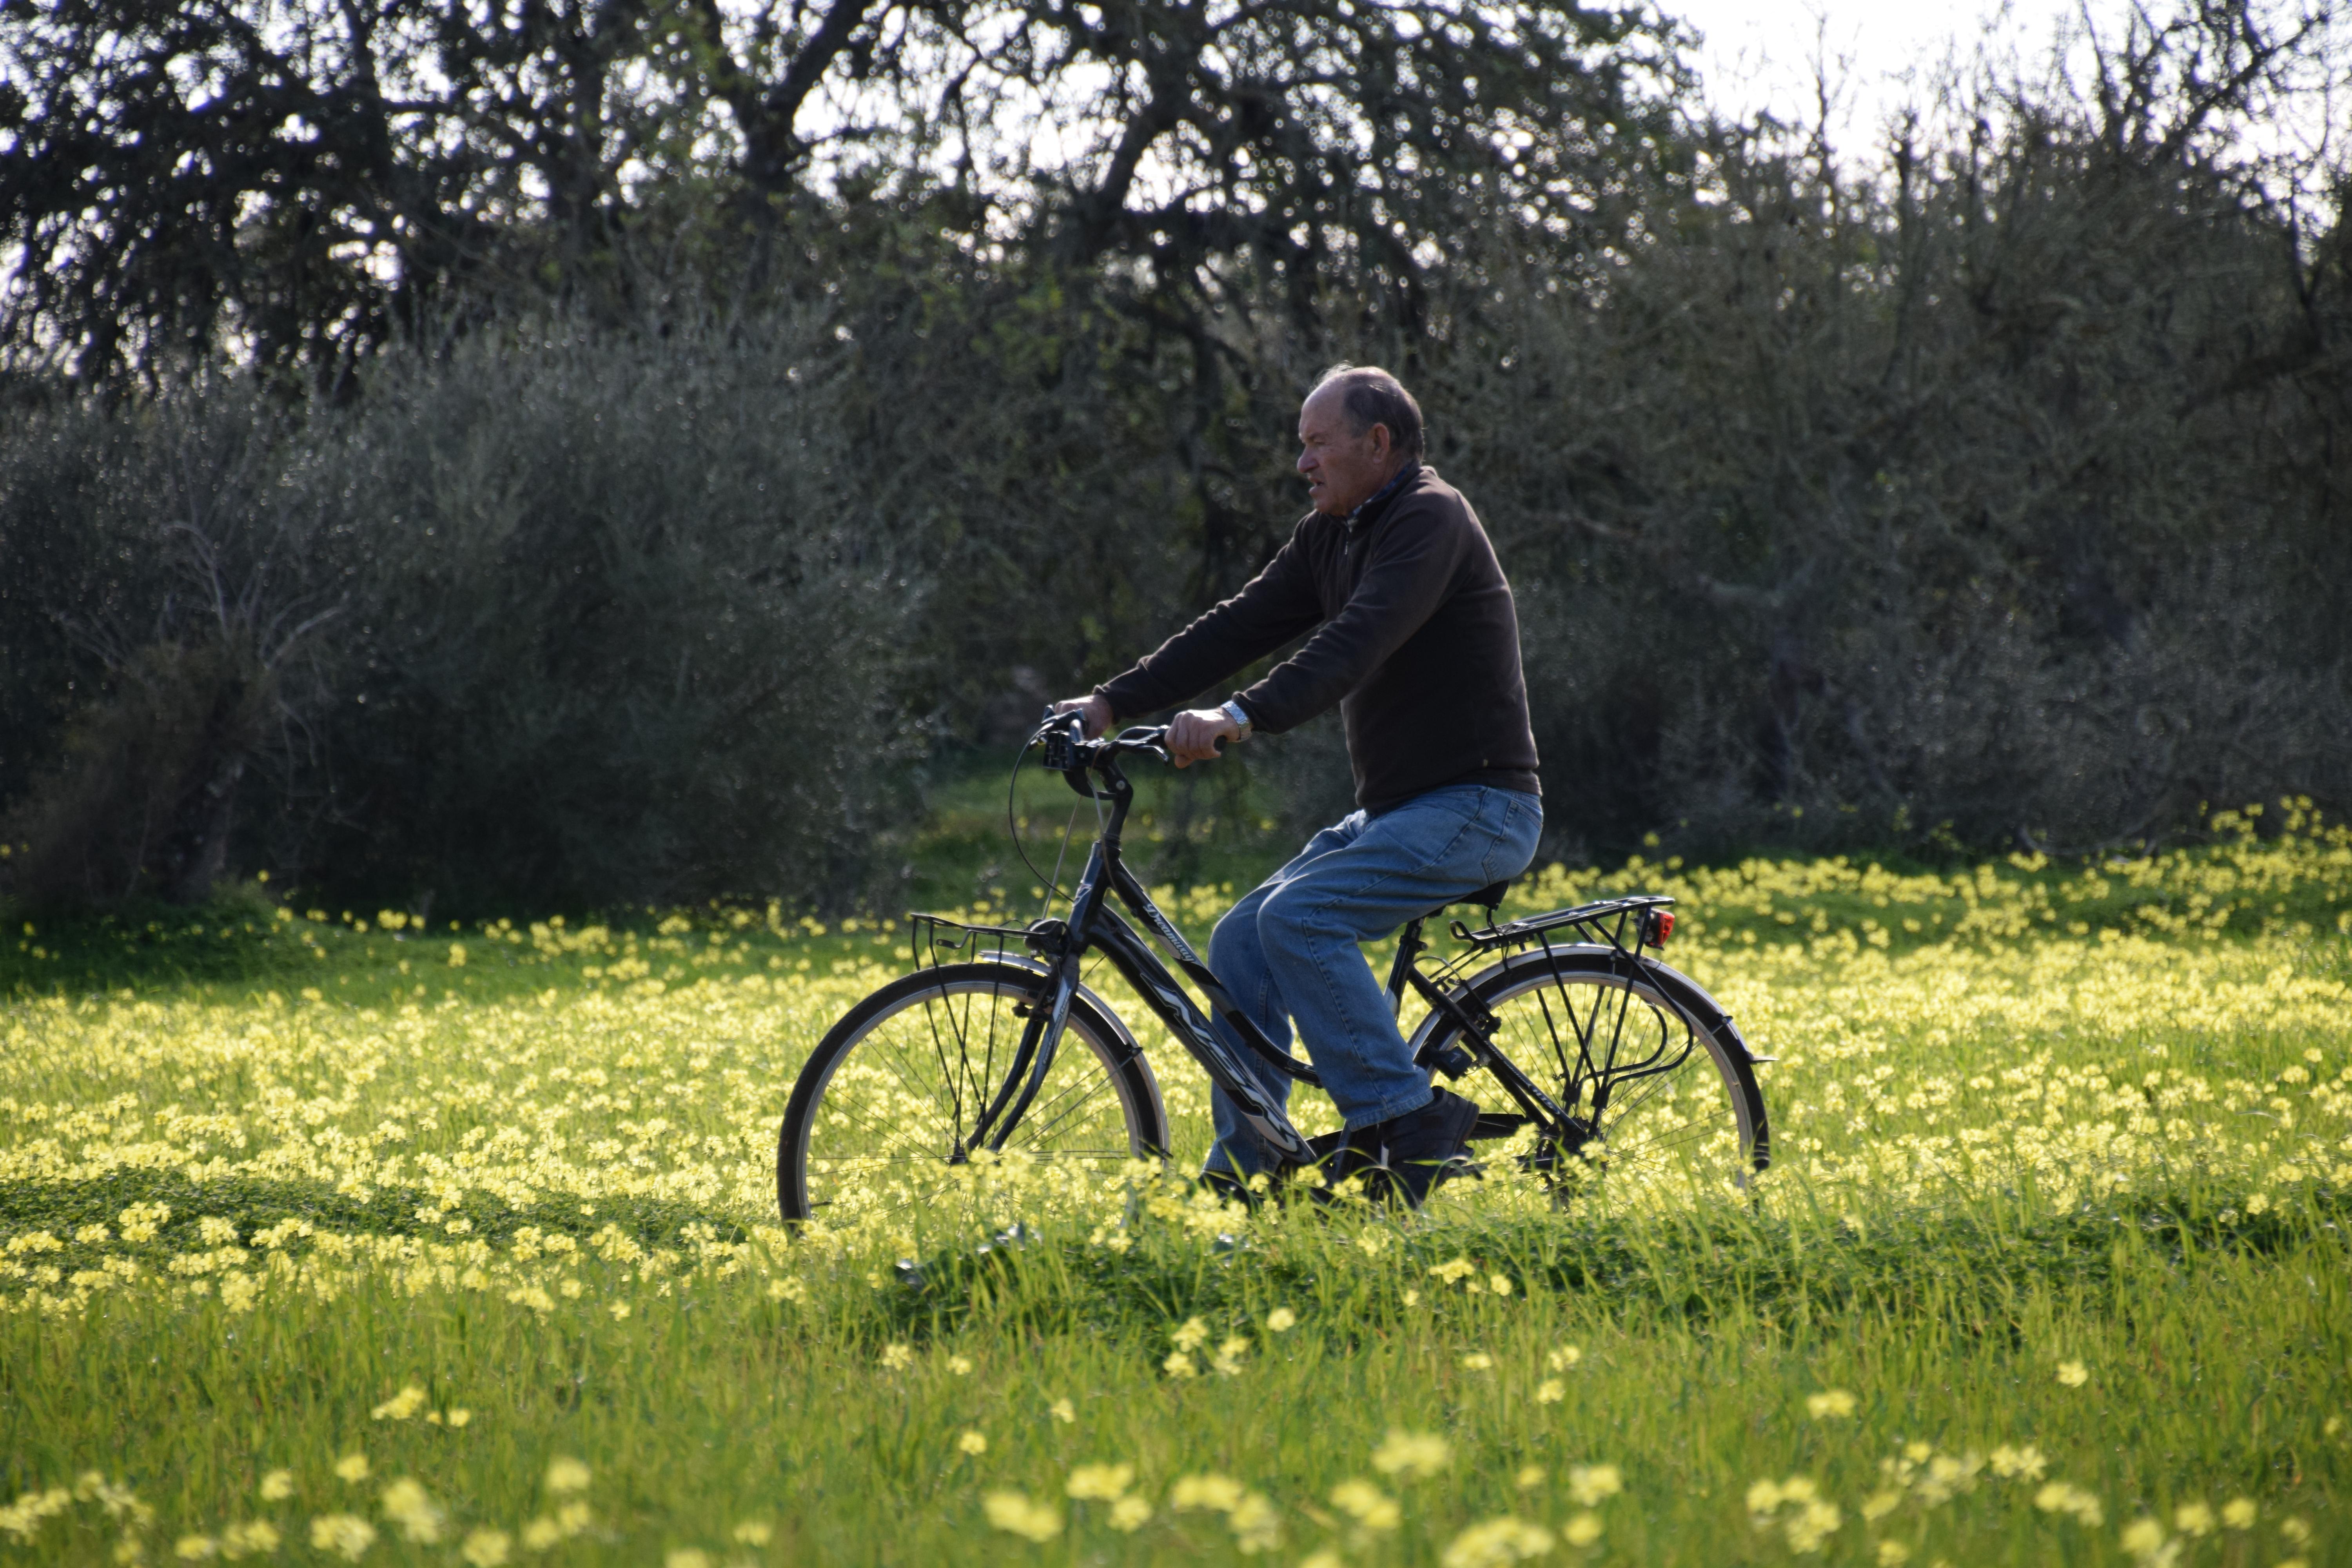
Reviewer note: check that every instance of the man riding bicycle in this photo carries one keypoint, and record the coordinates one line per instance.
(1411, 630)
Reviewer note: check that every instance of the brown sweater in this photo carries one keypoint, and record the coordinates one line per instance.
(1414, 636)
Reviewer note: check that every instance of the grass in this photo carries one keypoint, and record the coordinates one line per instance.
(336, 1237)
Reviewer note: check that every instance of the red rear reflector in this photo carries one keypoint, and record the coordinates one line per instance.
(1664, 924)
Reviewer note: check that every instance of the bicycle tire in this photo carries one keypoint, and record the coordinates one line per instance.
(1721, 1132)
(945, 1013)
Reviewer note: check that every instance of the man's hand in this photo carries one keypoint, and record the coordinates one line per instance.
(1193, 735)
(1098, 712)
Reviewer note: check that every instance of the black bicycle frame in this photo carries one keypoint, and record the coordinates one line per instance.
(1094, 925)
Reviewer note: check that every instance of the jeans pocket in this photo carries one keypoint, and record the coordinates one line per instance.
(1512, 845)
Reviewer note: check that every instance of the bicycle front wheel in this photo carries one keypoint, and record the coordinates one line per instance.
(886, 1106)
(1658, 1088)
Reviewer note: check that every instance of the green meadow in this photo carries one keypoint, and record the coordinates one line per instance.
(340, 1235)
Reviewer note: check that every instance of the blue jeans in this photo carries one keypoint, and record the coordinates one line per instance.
(1290, 950)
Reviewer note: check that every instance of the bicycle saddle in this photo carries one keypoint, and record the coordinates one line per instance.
(1489, 897)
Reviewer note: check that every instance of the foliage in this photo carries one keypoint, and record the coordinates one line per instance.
(522, 663)
(1987, 493)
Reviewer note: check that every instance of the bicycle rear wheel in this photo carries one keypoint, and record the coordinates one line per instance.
(1658, 1088)
(885, 1105)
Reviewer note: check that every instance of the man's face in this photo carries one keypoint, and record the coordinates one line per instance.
(1342, 469)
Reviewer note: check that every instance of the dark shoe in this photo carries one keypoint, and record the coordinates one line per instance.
(1403, 1158)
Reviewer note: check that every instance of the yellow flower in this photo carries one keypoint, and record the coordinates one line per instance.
(566, 1475)
(1192, 1335)
(1529, 1477)
(1255, 1525)
(1498, 1542)
(1219, 1494)
(686, 1557)
(1062, 1410)
(1589, 1484)
(406, 1505)
(401, 1406)
(1412, 1454)
(1103, 1483)
(1564, 1358)
(345, 1535)
(2194, 1518)
(2057, 1496)
(1477, 1361)
(1367, 1505)
(194, 1548)
(2025, 1464)
(1129, 1513)
(2238, 1514)
(754, 1533)
(1812, 1524)
(1178, 1366)
(458, 1415)
(2142, 1538)
(1013, 1513)
(1583, 1530)
(352, 1468)
(1550, 1391)
(896, 1357)
(2073, 1374)
(487, 1547)
(1500, 1284)
(972, 1443)
(540, 1533)
(1832, 1405)
(960, 1366)
(1878, 1505)
(278, 1486)
(1893, 1554)
(255, 1538)
(1281, 1321)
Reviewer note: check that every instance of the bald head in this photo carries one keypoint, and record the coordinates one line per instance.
(1373, 397)
(1357, 428)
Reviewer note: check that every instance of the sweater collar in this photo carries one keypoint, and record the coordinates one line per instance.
(1397, 481)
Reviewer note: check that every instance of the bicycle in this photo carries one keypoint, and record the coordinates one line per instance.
(964, 1055)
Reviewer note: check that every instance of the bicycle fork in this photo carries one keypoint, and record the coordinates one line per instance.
(1041, 1038)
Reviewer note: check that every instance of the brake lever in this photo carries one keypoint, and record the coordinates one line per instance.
(1061, 744)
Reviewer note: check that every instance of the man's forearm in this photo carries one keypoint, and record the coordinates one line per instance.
(1268, 611)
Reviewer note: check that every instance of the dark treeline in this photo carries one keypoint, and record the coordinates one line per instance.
(591, 452)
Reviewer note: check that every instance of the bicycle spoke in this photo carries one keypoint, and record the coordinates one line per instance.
(1646, 1093)
(897, 1101)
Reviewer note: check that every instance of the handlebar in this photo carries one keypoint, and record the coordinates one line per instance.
(1068, 750)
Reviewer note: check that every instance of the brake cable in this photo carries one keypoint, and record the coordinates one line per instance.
(1013, 827)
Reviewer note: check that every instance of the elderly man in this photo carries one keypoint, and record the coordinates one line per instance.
(1409, 629)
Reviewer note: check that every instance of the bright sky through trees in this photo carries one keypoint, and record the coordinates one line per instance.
(1761, 54)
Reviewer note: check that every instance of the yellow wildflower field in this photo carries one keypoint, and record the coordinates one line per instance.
(462, 1245)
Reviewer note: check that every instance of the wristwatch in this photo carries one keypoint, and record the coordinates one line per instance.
(1239, 715)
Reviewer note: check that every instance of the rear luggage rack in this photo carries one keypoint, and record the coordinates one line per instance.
(1628, 924)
